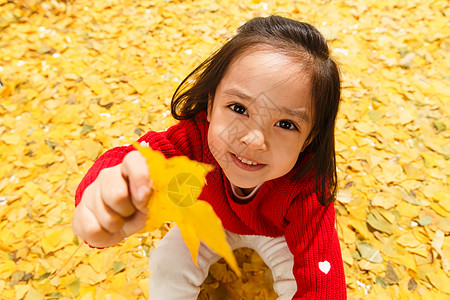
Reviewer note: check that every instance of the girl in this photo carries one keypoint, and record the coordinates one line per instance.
(261, 110)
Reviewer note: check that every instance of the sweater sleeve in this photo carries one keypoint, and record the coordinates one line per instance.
(312, 238)
(184, 138)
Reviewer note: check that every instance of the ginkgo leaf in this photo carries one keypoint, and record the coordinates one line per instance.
(177, 183)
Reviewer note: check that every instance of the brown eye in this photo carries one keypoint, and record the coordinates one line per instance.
(237, 108)
(286, 124)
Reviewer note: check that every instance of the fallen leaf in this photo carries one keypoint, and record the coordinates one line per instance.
(118, 266)
(391, 276)
(91, 148)
(177, 182)
(11, 138)
(34, 294)
(368, 252)
(437, 243)
(440, 280)
(378, 222)
(383, 201)
(74, 288)
(21, 290)
(408, 240)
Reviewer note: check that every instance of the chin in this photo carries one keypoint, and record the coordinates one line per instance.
(244, 184)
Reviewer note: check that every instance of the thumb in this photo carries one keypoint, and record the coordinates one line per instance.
(135, 171)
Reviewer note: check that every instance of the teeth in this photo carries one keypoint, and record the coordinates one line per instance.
(248, 162)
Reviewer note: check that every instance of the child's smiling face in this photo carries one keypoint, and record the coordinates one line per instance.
(261, 117)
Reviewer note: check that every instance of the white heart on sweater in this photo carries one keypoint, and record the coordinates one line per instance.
(324, 266)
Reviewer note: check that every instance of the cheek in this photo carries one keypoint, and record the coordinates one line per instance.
(216, 141)
(287, 152)
(223, 132)
(288, 157)
(212, 136)
(214, 133)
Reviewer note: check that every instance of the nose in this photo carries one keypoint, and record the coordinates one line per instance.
(254, 139)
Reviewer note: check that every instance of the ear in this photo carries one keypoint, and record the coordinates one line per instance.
(209, 108)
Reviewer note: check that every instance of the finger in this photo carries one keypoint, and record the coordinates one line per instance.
(108, 219)
(134, 169)
(114, 191)
(86, 226)
(134, 223)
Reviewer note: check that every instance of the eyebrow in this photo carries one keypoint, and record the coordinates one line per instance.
(297, 113)
(300, 114)
(239, 94)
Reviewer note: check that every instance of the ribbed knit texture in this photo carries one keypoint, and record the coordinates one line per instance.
(280, 207)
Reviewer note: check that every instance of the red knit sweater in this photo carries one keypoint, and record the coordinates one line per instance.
(280, 207)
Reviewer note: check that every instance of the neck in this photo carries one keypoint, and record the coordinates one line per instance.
(244, 191)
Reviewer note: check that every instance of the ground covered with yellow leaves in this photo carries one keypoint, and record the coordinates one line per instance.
(79, 77)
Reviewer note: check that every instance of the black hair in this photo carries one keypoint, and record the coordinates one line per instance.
(298, 40)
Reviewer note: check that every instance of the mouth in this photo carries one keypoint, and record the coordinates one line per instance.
(245, 163)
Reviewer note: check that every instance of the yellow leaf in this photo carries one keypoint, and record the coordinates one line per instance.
(31, 95)
(91, 148)
(7, 268)
(21, 290)
(88, 296)
(408, 240)
(443, 199)
(390, 248)
(67, 114)
(436, 144)
(365, 128)
(140, 85)
(74, 288)
(405, 116)
(412, 172)
(440, 210)
(21, 228)
(431, 159)
(348, 235)
(388, 215)
(143, 285)
(177, 183)
(383, 201)
(51, 241)
(347, 256)
(220, 272)
(392, 172)
(56, 240)
(54, 216)
(45, 159)
(420, 250)
(11, 138)
(440, 280)
(87, 275)
(9, 121)
(407, 260)
(31, 189)
(120, 284)
(344, 196)
(34, 295)
(95, 84)
(97, 262)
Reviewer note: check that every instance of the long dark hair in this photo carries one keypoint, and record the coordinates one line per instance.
(298, 40)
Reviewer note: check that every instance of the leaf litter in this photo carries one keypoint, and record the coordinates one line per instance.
(80, 77)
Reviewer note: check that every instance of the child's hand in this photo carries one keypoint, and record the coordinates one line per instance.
(114, 206)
